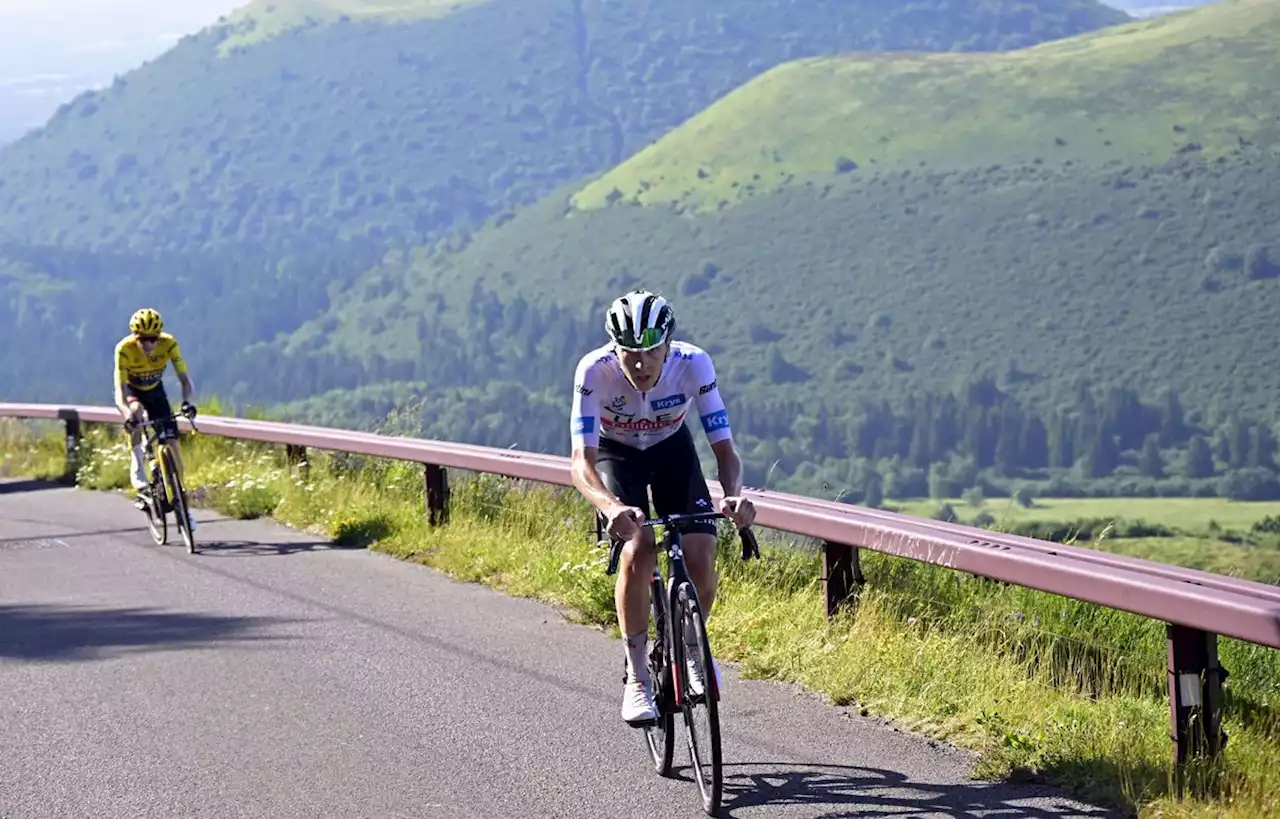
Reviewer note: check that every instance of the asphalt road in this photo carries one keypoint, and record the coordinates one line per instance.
(276, 676)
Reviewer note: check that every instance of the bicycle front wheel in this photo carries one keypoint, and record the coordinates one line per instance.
(661, 737)
(179, 501)
(701, 709)
(156, 522)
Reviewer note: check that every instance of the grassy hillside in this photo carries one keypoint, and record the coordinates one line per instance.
(1201, 83)
(888, 285)
(1154, 272)
(240, 181)
(262, 20)
(396, 120)
(840, 290)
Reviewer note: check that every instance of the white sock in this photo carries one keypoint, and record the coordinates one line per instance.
(136, 462)
(637, 656)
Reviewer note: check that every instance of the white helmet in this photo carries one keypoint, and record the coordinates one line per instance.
(640, 320)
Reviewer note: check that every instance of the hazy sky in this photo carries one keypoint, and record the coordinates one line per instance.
(71, 36)
(117, 16)
(51, 50)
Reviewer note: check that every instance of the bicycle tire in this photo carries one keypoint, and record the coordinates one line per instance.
(660, 738)
(713, 768)
(153, 505)
(179, 501)
(156, 522)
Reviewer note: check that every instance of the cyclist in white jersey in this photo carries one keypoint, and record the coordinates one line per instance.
(630, 403)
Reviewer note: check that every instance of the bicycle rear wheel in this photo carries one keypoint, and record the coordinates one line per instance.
(701, 712)
(179, 501)
(661, 736)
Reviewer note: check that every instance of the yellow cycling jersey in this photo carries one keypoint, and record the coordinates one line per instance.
(143, 372)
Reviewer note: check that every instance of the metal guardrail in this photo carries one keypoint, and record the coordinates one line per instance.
(1196, 606)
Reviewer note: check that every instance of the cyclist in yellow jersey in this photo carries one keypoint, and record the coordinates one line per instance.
(141, 358)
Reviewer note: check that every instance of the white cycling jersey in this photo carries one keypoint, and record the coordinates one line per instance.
(605, 405)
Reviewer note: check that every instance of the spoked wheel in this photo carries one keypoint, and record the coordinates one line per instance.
(661, 736)
(155, 514)
(179, 502)
(701, 711)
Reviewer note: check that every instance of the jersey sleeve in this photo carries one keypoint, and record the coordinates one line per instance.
(711, 409)
(175, 355)
(584, 420)
(120, 365)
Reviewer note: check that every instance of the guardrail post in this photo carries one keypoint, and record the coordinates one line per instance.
(436, 482)
(841, 574)
(295, 455)
(1195, 698)
(74, 434)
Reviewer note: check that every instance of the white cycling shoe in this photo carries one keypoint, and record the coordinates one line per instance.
(637, 702)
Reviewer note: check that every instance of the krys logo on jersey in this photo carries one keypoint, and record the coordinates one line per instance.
(715, 420)
(670, 401)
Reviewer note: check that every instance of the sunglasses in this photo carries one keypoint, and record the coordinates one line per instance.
(148, 339)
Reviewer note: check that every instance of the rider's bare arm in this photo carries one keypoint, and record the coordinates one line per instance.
(621, 519)
(728, 467)
(585, 436)
(122, 402)
(715, 423)
(588, 481)
(188, 388)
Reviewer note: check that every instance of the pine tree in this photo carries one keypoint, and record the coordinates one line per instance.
(1149, 461)
(1199, 459)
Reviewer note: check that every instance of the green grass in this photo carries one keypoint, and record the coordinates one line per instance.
(26, 452)
(262, 20)
(1133, 93)
(1204, 554)
(1200, 524)
(1035, 683)
(1193, 515)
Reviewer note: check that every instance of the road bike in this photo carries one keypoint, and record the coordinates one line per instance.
(667, 657)
(165, 492)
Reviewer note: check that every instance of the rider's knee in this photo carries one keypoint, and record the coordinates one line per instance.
(638, 553)
(700, 551)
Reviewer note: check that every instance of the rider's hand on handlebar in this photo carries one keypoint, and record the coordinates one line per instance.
(135, 415)
(740, 510)
(623, 521)
(188, 409)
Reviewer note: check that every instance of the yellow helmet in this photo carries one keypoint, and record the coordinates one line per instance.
(146, 322)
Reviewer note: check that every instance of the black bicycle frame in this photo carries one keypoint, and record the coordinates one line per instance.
(672, 544)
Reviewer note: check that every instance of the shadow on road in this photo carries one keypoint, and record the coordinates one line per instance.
(849, 791)
(206, 539)
(142, 530)
(9, 487)
(247, 548)
(84, 633)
